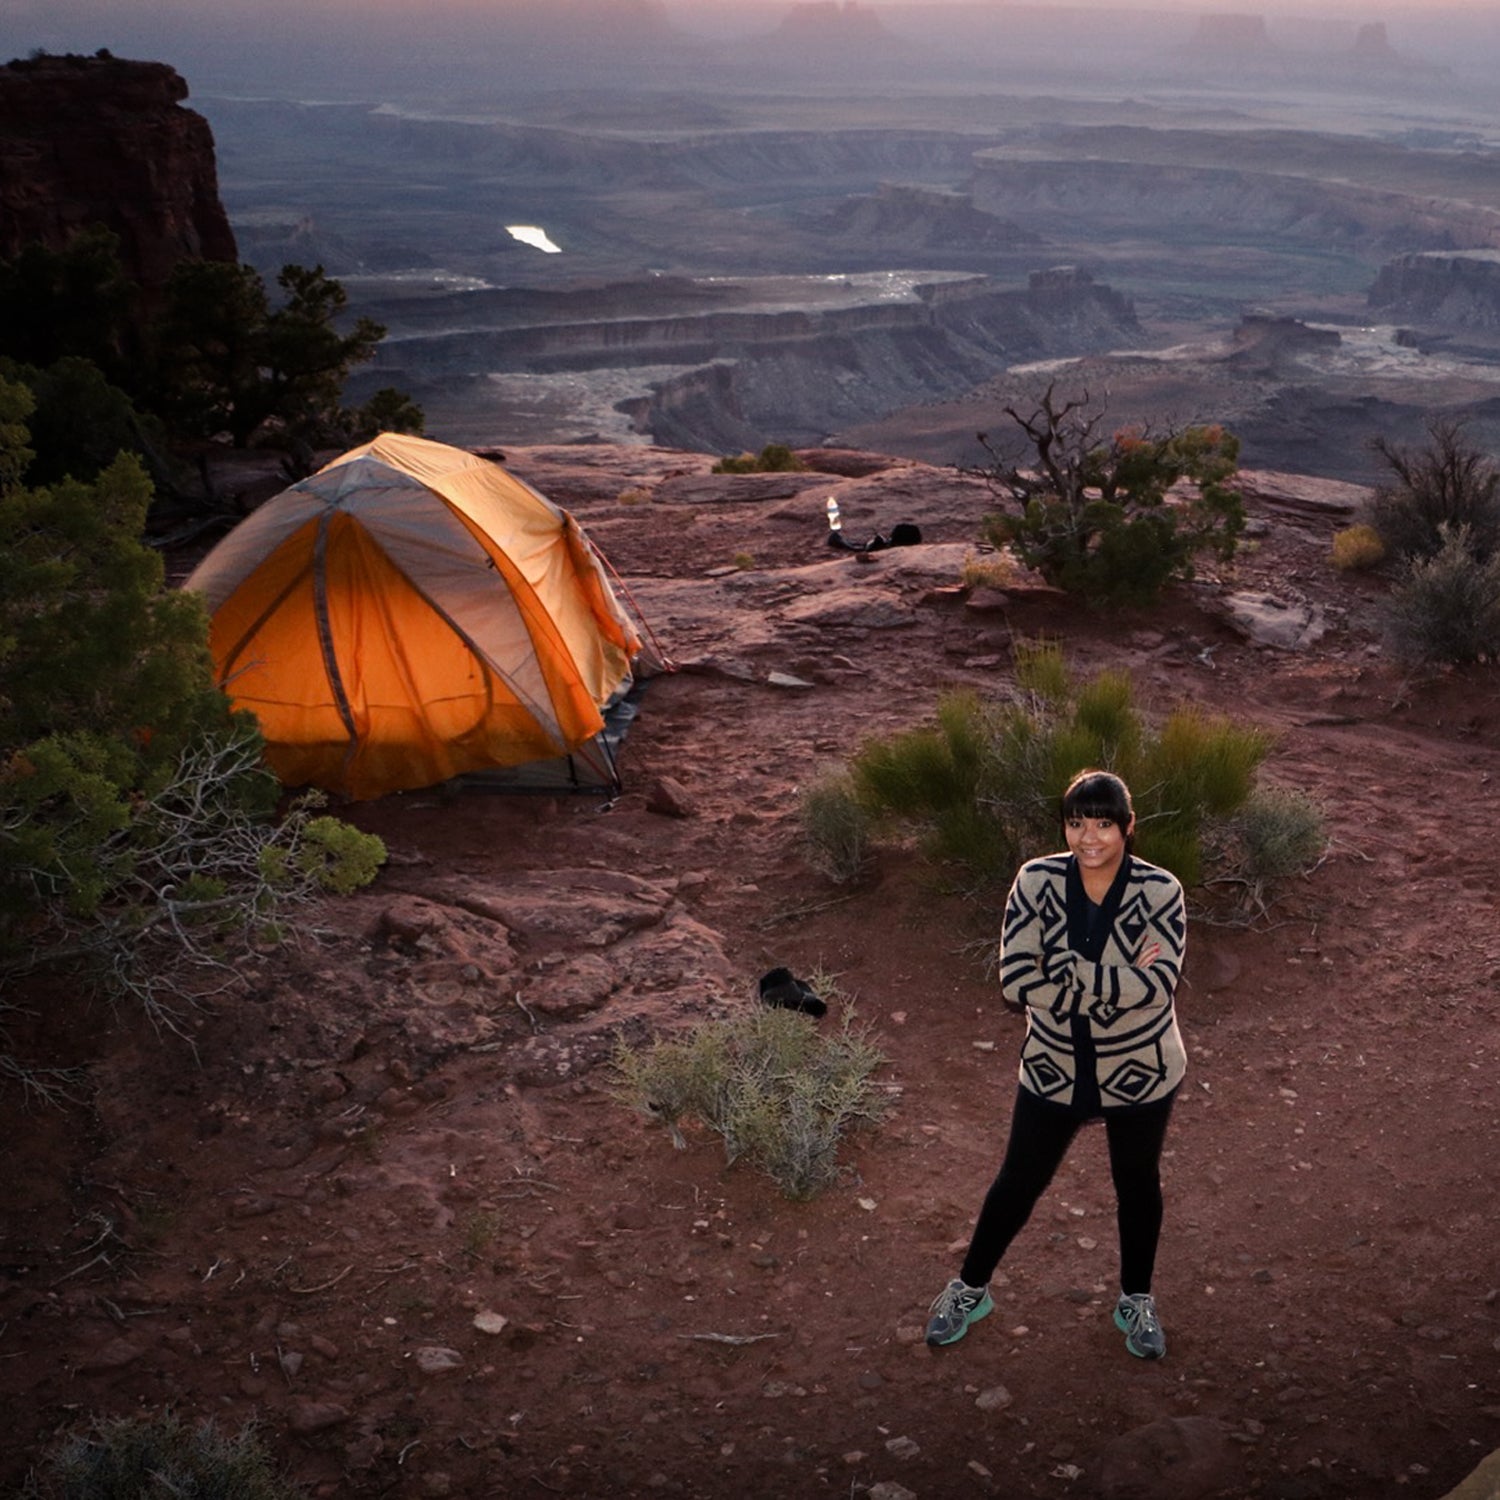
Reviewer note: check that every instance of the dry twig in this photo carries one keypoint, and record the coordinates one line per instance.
(322, 1286)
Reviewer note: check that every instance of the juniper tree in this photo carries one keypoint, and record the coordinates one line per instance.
(136, 828)
(1091, 509)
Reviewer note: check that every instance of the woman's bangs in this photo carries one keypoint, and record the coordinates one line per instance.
(1099, 796)
(1100, 806)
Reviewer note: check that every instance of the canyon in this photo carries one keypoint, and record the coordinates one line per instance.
(741, 256)
(754, 267)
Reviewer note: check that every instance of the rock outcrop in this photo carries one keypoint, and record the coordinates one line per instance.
(100, 140)
(1244, 44)
(1265, 344)
(830, 21)
(823, 36)
(1372, 46)
(1458, 289)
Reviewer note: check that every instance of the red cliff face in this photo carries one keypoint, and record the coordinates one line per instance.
(98, 140)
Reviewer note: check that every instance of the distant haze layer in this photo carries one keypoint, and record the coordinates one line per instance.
(350, 47)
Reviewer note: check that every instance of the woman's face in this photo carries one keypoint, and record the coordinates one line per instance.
(1098, 844)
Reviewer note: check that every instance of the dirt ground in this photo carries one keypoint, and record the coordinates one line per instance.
(403, 1122)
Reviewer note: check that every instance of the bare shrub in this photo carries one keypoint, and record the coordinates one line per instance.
(1447, 484)
(1103, 514)
(774, 458)
(989, 570)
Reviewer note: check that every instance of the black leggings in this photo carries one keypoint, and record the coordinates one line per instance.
(1040, 1134)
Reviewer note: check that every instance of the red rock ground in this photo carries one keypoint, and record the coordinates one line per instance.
(404, 1121)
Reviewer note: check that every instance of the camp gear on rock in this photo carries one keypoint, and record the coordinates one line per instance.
(780, 988)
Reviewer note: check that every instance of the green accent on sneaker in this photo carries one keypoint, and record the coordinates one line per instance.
(1135, 1317)
(955, 1307)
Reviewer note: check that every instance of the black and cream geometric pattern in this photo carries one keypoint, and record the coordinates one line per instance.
(1139, 1056)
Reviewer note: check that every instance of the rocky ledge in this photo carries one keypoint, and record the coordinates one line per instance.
(103, 140)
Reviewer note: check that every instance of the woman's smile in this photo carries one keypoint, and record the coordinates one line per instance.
(1096, 843)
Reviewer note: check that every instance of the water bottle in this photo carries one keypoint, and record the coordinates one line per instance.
(834, 523)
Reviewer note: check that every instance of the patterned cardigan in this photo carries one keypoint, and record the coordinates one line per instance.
(1121, 1014)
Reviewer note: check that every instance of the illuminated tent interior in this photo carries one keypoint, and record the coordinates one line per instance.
(413, 613)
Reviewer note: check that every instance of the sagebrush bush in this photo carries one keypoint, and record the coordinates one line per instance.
(1042, 669)
(984, 781)
(1357, 547)
(139, 1458)
(1446, 608)
(1280, 832)
(780, 1092)
(917, 771)
(836, 826)
(1447, 484)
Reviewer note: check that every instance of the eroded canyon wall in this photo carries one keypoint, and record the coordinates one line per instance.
(1459, 290)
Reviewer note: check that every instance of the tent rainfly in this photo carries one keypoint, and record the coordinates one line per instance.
(413, 613)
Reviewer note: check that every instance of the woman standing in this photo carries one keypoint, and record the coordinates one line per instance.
(1091, 949)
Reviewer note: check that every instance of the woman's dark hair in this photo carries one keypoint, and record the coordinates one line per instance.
(1099, 794)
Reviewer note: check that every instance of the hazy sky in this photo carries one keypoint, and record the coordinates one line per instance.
(208, 34)
(684, 10)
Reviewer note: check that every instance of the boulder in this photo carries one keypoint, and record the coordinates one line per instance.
(1280, 624)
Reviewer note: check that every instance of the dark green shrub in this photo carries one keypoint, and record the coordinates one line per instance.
(985, 780)
(1092, 512)
(137, 828)
(81, 421)
(220, 353)
(774, 458)
(780, 1092)
(1446, 607)
(1447, 485)
(140, 1458)
(338, 857)
(76, 302)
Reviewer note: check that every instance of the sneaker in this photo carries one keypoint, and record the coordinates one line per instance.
(956, 1307)
(1135, 1317)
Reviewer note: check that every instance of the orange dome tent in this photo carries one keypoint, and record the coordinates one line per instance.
(411, 613)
